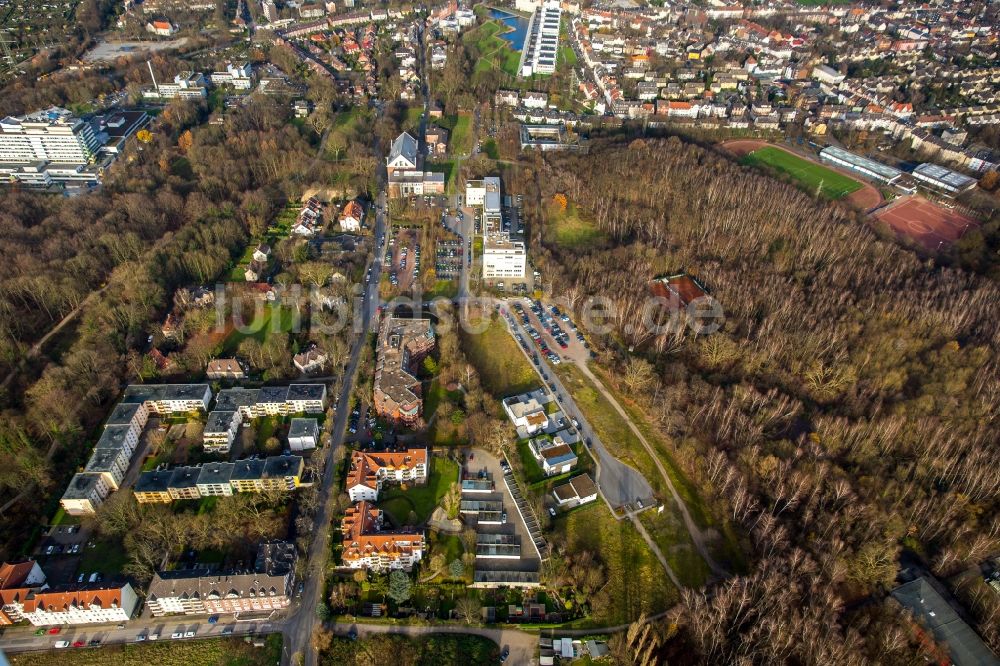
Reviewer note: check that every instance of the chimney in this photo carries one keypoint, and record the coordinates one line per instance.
(153, 76)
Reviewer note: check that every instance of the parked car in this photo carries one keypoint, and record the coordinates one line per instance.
(62, 644)
(177, 634)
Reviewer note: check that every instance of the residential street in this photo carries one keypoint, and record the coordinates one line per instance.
(298, 629)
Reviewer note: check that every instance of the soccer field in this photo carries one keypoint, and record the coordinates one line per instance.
(831, 184)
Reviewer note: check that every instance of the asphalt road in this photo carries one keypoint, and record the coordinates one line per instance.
(619, 483)
(299, 627)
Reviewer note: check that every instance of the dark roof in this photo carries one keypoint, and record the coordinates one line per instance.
(247, 469)
(184, 477)
(219, 421)
(234, 398)
(81, 485)
(934, 612)
(215, 472)
(300, 427)
(113, 437)
(153, 482)
(273, 394)
(122, 414)
(282, 466)
(144, 392)
(306, 391)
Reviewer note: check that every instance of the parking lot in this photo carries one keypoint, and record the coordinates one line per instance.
(551, 331)
(477, 464)
(405, 258)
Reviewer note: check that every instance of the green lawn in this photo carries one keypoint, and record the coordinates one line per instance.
(809, 175)
(263, 326)
(442, 289)
(203, 652)
(567, 55)
(502, 367)
(421, 498)
(107, 557)
(533, 472)
(636, 582)
(436, 394)
(573, 230)
(412, 120)
(450, 170)
(490, 149)
(610, 426)
(461, 135)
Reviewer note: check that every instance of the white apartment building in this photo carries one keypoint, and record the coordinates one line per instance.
(111, 464)
(53, 135)
(85, 493)
(81, 606)
(169, 398)
(220, 431)
(303, 434)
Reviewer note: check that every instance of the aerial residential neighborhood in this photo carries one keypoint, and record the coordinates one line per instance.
(530, 332)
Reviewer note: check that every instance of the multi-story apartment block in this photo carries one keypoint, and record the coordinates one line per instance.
(85, 493)
(273, 400)
(220, 430)
(170, 398)
(213, 480)
(153, 487)
(369, 470)
(249, 476)
(111, 464)
(134, 415)
(402, 344)
(84, 605)
(17, 580)
(184, 483)
(368, 546)
(267, 587)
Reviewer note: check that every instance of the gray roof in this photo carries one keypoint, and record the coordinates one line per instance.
(102, 460)
(275, 558)
(273, 394)
(113, 437)
(123, 413)
(219, 421)
(963, 644)
(282, 466)
(406, 146)
(247, 469)
(306, 392)
(944, 175)
(153, 482)
(146, 392)
(184, 477)
(194, 584)
(215, 473)
(81, 485)
(234, 398)
(303, 427)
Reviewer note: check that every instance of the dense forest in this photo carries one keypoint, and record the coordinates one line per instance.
(844, 416)
(174, 212)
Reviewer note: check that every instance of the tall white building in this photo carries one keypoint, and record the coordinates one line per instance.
(542, 42)
(504, 259)
(53, 135)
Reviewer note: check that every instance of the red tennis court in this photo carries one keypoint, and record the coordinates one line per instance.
(927, 223)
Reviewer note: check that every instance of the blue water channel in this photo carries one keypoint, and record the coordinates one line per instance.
(519, 25)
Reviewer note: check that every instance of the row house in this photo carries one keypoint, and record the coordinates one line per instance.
(273, 400)
(18, 580)
(162, 486)
(268, 587)
(84, 605)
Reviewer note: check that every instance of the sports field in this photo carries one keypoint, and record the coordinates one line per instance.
(810, 175)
